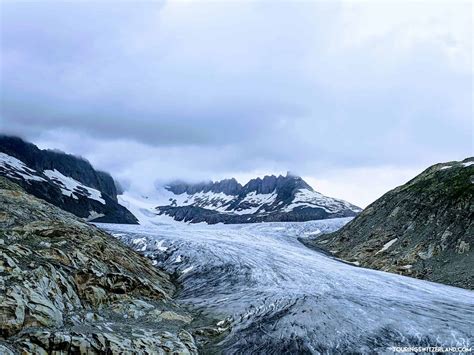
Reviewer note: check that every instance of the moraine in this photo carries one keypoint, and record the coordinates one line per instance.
(276, 296)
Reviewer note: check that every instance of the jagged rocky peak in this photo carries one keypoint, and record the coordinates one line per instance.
(226, 186)
(271, 183)
(265, 185)
(268, 199)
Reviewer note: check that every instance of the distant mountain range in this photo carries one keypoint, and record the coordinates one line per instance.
(72, 184)
(273, 198)
(64, 180)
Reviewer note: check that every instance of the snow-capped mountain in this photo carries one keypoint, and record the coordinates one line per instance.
(273, 198)
(72, 184)
(66, 181)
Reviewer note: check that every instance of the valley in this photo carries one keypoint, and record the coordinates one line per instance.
(273, 295)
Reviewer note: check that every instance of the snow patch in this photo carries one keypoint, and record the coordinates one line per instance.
(188, 269)
(16, 169)
(314, 199)
(94, 215)
(144, 208)
(160, 247)
(356, 263)
(140, 243)
(387, 245)
(464, 165)
(209, 200)
(73, 188)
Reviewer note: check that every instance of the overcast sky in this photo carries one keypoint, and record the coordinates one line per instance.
(357, 97)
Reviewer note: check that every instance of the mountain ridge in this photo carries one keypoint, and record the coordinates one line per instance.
(64, 180)
(423, 229)
(77, 167)
(231, 186)
(271, 198)
(227, 186)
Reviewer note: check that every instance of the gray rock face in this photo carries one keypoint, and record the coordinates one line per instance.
(272, 183)
(227, 186)
(271, 199)
(34, 175)
(70, 165)
(67, 287)
(423, 229)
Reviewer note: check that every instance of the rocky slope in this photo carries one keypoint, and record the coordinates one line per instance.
(66, 181)
(423, 229)
(67, 287)
(282, 198)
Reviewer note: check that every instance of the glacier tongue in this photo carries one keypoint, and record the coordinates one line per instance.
(281, 297)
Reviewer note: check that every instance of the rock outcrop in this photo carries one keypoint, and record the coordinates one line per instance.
(423, 229)
(67, 287)
(64, 180)
(226, 186)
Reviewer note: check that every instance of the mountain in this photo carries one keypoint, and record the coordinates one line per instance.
(64, 180)
(69, 288)
(423, 229)
(273, 198)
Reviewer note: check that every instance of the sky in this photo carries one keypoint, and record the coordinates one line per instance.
(356, 97)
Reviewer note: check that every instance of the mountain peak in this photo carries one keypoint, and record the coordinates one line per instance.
(264, 185)
(226, 186)
(271, 183)
(267, 198)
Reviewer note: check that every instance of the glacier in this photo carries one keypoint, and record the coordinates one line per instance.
(278, 297)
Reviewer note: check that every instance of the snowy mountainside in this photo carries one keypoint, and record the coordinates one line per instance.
(15, 169)
(282, 198)
(94, 201)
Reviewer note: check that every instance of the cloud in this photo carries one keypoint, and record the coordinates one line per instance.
(362, 185)
(218, 88)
